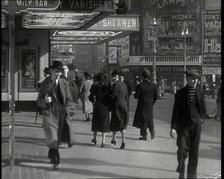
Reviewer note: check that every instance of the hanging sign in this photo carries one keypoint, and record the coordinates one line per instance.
(87, 5)
(17, 6)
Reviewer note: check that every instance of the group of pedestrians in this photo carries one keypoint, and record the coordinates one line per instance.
(109, 99)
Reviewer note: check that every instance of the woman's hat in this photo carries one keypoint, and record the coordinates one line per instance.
(57, 65)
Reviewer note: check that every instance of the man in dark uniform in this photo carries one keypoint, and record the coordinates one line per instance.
(189, 112)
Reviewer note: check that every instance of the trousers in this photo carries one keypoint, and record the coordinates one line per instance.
(188, 145)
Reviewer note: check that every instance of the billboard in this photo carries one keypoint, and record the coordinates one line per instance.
(211, 37)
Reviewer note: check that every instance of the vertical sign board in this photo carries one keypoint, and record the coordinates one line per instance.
(211, 37)
(112, 55)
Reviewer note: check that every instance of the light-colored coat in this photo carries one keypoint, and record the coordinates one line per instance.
(50, 111)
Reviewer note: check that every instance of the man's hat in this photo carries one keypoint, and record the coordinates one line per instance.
(46, 70)
(122, 74)
(114, 73)
(146, 73)
(57, 65)
(192, 73)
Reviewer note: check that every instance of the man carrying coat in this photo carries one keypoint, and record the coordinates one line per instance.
(54, 99)
(189, 112)
(146, 93)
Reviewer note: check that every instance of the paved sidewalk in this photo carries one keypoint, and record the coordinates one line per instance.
(140, 159)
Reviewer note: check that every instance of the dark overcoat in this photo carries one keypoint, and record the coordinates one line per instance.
(119, 114)
(146, 93)
(73, 87)
(51, 112)
(100, 97)
(181, 109)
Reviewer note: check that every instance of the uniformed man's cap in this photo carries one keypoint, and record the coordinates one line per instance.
(192, 73)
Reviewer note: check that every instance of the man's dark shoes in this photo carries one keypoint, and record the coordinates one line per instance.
(113, 142)
(122, 145)
(143, 138)
(153, 135)
(181, 175)
(55, 166)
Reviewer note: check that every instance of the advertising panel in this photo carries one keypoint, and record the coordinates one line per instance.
(29, 69)
(172, 17)
(211, 38)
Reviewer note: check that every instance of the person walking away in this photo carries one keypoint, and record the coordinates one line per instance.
(189, 112)
(87, 106)
(146, 94)
(54, 99)
(100, 96)
(218, 102)
(72, 87)
(119, 114)
(128, 84)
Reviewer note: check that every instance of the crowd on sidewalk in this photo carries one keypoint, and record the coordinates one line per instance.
(105, 103)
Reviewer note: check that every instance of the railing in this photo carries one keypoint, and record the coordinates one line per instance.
(163, 60)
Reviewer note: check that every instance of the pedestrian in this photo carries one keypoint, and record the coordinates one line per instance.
(216, 114)
(54, 99)
(67, 75)
(128, 84)
(119, 114)
(146, 94)
(72, 85)
(46, 74)
(189, 111)
(87, 106)
(100, 96)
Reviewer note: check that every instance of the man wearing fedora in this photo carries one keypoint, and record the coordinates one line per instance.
(189, 111)
(55, 99)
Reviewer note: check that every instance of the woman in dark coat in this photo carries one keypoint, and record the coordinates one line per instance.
(99, 95)
(54, 99)
(146, 93)
(119, 115)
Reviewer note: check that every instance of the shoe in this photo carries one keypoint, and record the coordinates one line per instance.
(122, 145)
(102, 145)
(94, 141)
(87, 120)
(113, 142)
(181, 175)
(153, 134)
(55, 167)
(143, 138)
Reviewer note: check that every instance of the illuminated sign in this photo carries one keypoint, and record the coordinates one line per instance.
(117, 23)
(11, 6)
(3, 22)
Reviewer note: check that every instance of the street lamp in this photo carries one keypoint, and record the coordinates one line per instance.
(184, 33)
(154, 24)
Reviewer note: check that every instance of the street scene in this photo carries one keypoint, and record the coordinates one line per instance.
(141, 159)
(111, 89)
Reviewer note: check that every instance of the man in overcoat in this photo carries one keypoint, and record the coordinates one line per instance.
(146, 93)
(54, 99)
(188, 114)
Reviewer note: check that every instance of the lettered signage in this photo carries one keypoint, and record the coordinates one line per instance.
(16, 6)
(211, 37)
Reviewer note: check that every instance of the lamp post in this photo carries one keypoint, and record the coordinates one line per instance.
(154, 24)
(184, 33)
